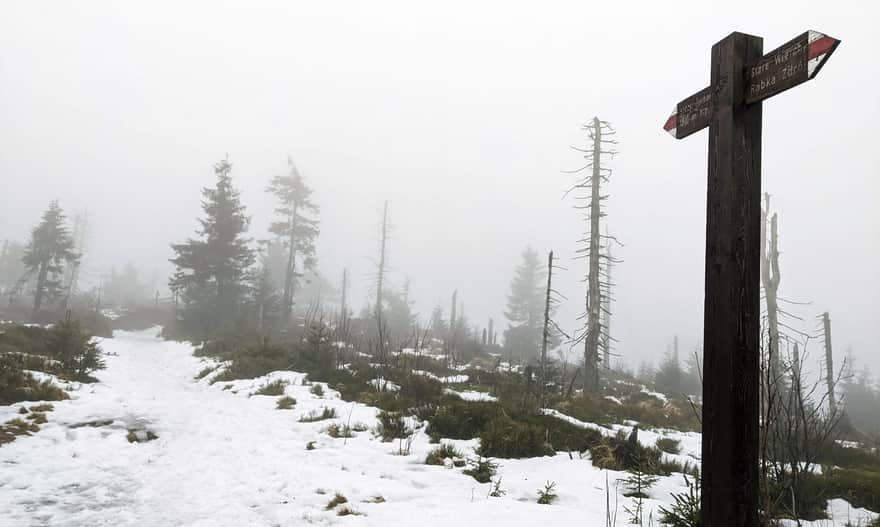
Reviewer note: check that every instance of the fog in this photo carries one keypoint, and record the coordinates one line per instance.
(460, 114)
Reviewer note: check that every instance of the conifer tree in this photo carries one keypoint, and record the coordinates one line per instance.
(296, 227)
(212, 270)
(51, 247)
(525, 306)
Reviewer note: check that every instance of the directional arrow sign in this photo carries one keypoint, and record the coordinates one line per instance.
(790, 64)
(785, 67)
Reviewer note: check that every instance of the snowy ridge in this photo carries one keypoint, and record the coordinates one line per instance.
(225, 457)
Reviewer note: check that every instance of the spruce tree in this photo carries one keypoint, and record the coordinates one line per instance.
(211, 271)
(51, 247)
(296, 227)
(525, 307)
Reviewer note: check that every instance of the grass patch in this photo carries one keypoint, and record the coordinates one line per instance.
(272, 388)
(439, 455)
(318, 415)
(285, 403)
(335, 431)
(335, 501)
(44, 407)
(668, 445)
(37, 417)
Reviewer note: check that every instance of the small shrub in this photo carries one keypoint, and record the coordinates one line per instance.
(347, 511)
(459, 419)
(497, 491)
(140, 436)
(77, 352)
(685, 509)
(227, 387)
(272, 388)
(602, 455)
(439, 455)
(668, 445)
(310, 445)
(317, 390)
(392, 426)
(37, 417)
(338, 499)
(285, 403)
(19, 427)
(546, 496)
(335, 431)
(506, 438)
(318, 415)
(45, 407)
(482, 469)
(359, 427)
(23, 410)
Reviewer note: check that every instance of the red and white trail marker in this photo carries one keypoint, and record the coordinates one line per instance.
(792, 63)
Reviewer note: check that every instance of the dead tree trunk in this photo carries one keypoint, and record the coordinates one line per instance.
(380, 271)
(591, 342)
(545, 337)
(450, 344)
(829, 364)
(770, 277)
(605, 343)
(343, 307)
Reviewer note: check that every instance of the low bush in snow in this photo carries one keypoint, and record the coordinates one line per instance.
(392, 425)
(457, 419)
(438, 455)
(285, 403)
(506, 438)
(668, 445)
(547, 495)
(335, 501)
(317, 390)
(336, 431)
(481, 469)
(272, 388)
(17, 385)
(318, 415)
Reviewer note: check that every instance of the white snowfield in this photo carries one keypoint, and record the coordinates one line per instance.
(225, 458)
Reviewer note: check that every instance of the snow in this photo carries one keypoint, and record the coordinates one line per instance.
(471, 395)
(225, 457)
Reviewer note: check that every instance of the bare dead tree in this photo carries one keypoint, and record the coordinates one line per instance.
(381, 266)
(600, 133)
(829, 363)
(770, 278)
(450, 340)
(545, 336)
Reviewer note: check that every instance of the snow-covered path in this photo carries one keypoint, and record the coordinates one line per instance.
(225, 458)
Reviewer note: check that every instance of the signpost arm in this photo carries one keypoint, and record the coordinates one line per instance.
(730, 483)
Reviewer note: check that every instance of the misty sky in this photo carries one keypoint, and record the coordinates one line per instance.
(461, 115)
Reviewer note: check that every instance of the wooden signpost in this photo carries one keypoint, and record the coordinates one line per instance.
(741, 77)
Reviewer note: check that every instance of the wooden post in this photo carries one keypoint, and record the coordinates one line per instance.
(730, 483)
